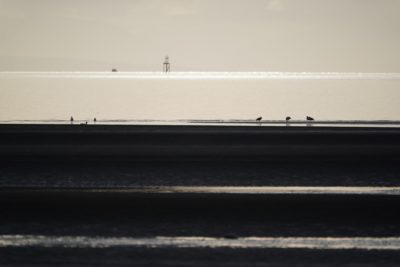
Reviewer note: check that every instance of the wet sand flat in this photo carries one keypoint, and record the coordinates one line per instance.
(207, 195)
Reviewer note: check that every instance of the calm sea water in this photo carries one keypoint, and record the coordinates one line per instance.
(137, 96)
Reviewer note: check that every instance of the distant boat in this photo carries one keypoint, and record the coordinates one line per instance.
(259, 119)
(288, 118)
(310, 118)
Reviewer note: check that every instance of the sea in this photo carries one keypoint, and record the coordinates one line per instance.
(195, 97)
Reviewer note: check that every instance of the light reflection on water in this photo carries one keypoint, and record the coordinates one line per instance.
(229, 190)
(363, 243)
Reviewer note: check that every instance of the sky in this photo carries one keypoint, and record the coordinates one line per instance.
(200, 35)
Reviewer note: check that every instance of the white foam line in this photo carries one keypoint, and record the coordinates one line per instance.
(325, 243)
(314, 190)
(207, 75)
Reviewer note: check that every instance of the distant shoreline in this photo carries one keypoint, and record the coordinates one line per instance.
(301, 123)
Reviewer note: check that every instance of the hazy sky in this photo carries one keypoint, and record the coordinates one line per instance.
(201, 35)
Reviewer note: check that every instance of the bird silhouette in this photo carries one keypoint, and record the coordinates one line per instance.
(310, 118)
(259, 119)
(71, 119)
(288, 118)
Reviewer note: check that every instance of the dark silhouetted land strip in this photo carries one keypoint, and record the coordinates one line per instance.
(196, 142)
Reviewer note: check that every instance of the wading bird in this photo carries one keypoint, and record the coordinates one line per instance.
(310, 118)
(71, 120)
(259, 119)
(288, 118)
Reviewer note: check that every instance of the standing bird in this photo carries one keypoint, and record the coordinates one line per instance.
(288, 119)
(94, 120)
(310, 118)
(71, 120)
(259, 119)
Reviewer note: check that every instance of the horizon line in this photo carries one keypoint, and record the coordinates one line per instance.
(194, 75)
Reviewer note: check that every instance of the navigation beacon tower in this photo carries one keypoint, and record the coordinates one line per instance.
(166, 65)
